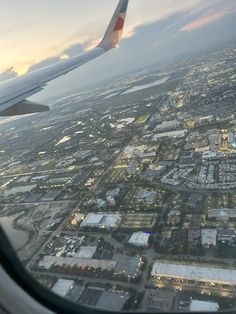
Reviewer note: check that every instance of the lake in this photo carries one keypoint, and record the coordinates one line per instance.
(18, 238)
(145, 86)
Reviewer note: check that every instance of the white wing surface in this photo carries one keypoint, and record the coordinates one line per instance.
(14, 92)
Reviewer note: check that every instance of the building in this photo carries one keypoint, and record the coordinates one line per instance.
(168, 125)
(50, 196)
(173, 134)
(131, 169)
(203, 306)
(226, 235)
(128, 266)
(111, 201)
(112, 300)
(101, 221)
(111, 196)
(215, 141)
(153, 171)
(113, 193)
(208, 119)
(20, 190)
(146, 196)
(222, 213)
(194, 236)
(192, 275)
(101, 203)
(23, 179)
(158, 301)
(133, 151)
(86, 252)
(139, 239)
(232, 139)
(58, 182)
(32, 198)
(209, 155)
(62, 287)
(38, 179)
(174, 217)
(209, 237)
(49, 261)
(102, 299)
(194, 200)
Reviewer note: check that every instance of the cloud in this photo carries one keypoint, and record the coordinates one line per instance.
(152, 44)
(43, 64)
(147, 43)
(74, 50)
(8, 74)
(71, 51)
(209, 13)
(203, 22)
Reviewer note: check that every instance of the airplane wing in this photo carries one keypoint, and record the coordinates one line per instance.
(14, 92)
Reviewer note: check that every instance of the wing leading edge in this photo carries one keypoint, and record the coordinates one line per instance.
(13, 92)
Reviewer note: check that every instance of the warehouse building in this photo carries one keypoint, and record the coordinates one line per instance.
(168, 125)
(62, 287)
(101, 221)
(197, 276)
(48, 261)
(139, 239)
(222, 213)
(86, 252)
(203, 306)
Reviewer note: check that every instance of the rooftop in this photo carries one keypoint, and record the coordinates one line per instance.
(86, 251)
(112, 300)
(20, 189)
(101, 220)
(48, 261)
(203, 306)
(173, 134)
(139, 239)
(209, 236)
(197, 273)
(222, 213)
(62, 287)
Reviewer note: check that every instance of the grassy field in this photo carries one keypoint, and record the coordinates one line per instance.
(142, 119)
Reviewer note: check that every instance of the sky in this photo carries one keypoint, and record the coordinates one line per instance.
(37, 33)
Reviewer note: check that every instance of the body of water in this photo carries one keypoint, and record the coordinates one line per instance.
(145, 86)
(18, 238)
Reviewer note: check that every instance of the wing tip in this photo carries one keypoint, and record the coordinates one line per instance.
(115, 29)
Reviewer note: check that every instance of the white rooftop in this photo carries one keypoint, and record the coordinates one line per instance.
(101, 220)
(174, 134)
(222, 213)
(62, 287)
(139, 239)
(20, 189)
(48, 261)
(203, 306)
(93, 219)
(197, 273)
(166, 124)
(86, 251)
(209, 236)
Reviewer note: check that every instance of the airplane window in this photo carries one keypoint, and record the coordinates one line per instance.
(118, 180)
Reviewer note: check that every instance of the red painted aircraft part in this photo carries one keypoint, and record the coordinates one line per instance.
(119, 24)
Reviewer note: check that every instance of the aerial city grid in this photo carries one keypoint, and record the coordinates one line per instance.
(123, 197)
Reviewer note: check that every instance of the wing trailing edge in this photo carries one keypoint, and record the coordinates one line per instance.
(24, 107)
